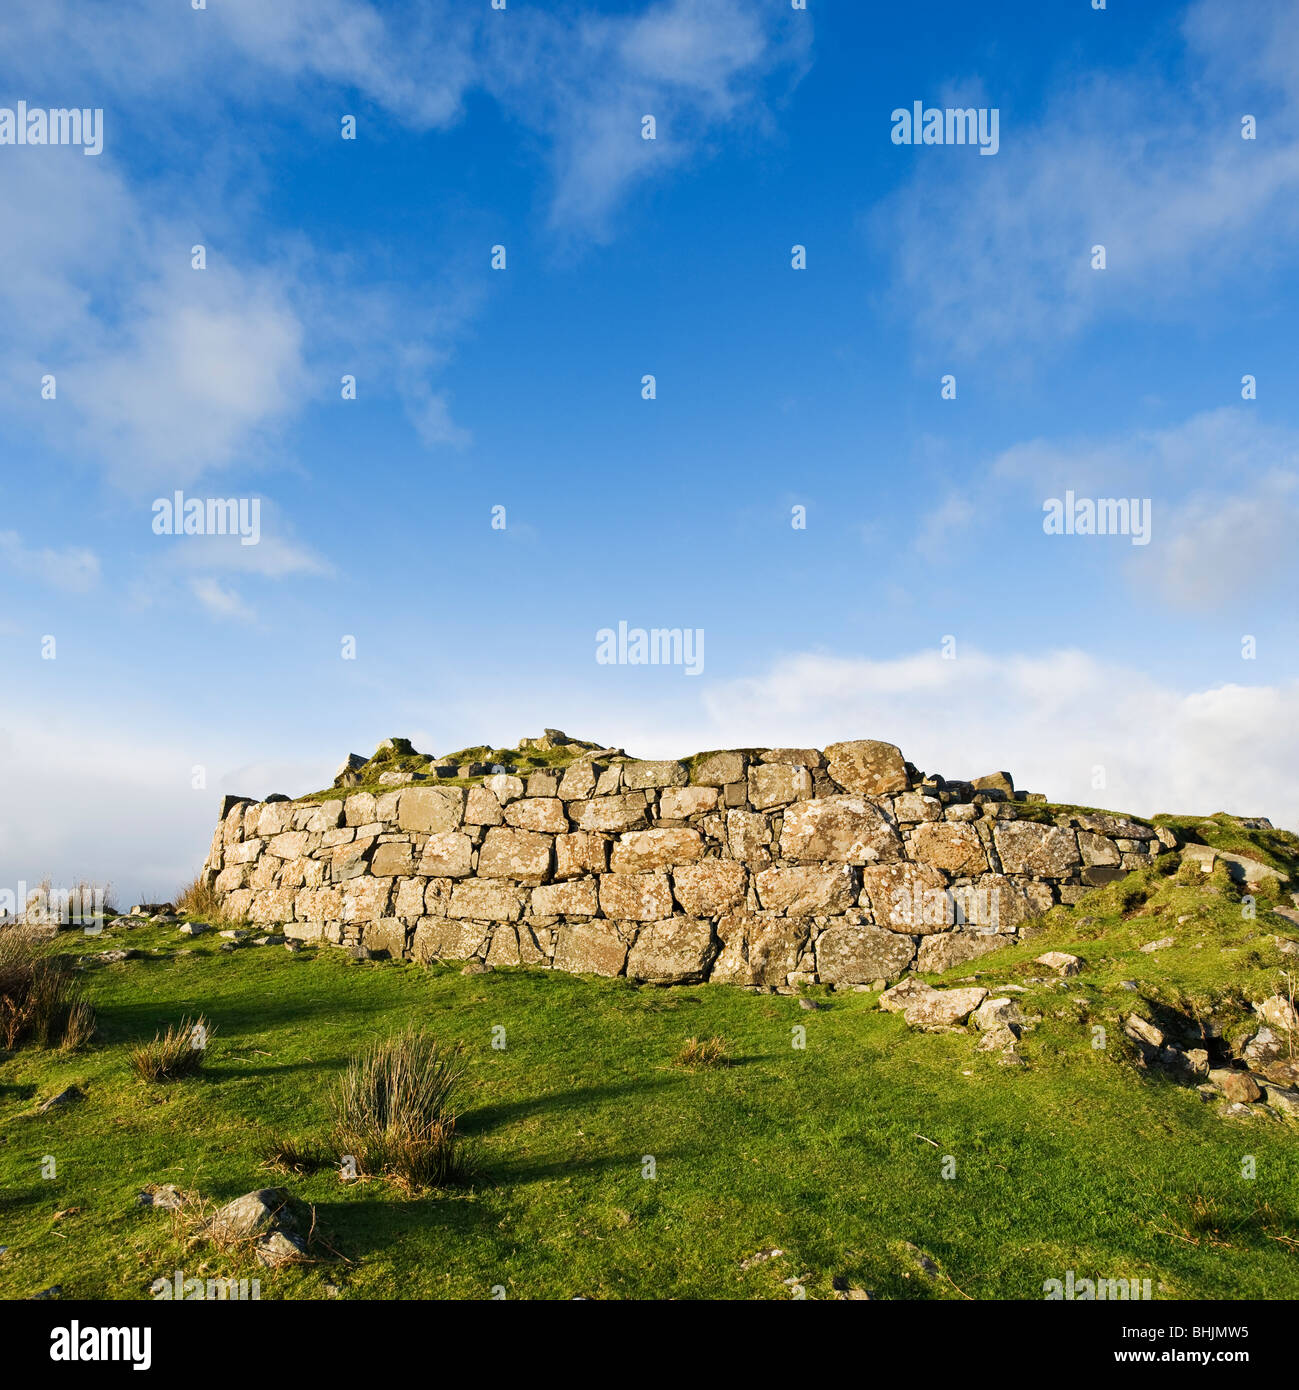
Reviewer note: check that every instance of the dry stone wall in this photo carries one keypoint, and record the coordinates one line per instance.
(760, 867)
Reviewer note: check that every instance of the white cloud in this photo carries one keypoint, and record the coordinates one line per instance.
(221, 601)
(74, 568)
(997, 251)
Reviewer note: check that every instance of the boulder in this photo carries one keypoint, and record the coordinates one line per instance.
(594, 949)
(711, 887)
(810, 889)
(253, 1214)
(1028, 848)
(943, 1008)
(950, 949)
(868, 766)
(1061, 962)
(956, 849)
(523, 855)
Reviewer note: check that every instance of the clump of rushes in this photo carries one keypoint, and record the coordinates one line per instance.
(393, 1115)
(180, 1051)
(702, 1052)
(39, 1000)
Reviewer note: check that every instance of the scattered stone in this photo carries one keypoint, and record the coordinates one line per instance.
(1140, 1030)
(1264, 1046)
(235, 934)
(808, 1004)
(193, 928)
(362, 953)
(996, 1013)
(112, 957)
(70, 1096)
(254, 1214)
(476, 967)
(898, 999)
(280, 1248)
(1000, 1039)
(1280, 1013)
(273, 940)
(54, 1291)
(1061, 962)
(1161, 945)
(168, 1198)
(1237, 1086)
(945, 1008)
(1130, 985)
(761, 1257)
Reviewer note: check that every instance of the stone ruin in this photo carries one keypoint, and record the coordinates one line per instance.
(764, 867)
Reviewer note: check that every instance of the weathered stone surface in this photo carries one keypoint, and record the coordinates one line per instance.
(852, 955)
(868, 766)
(393, 859)
(680, 803)
(653, 774)
(913, 806)
(440, 938)
(289, 845)
(777, 784)
(622, 811)
(1096, 849)
(278, 904)
(544, 813)
(482, 807)
(996, 1013)
(1027, 848)
(748, 836)
(940, 953)
(523, 855)
(430, 808)
(717, 769)
(945, 1008)
(759, 948)
(995, 782)
(447, 854)
(365, 899)
(504, 786)
(483, 900)
(578, 782)
(956, 849)
(636, 897)
(907, 897)
(675, 951)
(901, 996)
(253, 1214)
(806, 890)
(581, 853)
(711, 887)
(641, 850)
(1061, 962)
(575, 899)
(1279, 1013)
(844, 829)
(594, 949)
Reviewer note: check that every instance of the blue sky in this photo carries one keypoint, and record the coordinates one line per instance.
(776, 388)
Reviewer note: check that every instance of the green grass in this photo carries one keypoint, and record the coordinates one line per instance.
(1078, 1160)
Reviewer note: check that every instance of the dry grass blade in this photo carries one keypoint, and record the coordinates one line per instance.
(702, 1052)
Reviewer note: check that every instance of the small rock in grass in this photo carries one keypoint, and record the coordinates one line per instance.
(168, 1198)
(193, 928)
(1237, 1086)
(235, 934)
(68, 1097)
(279, 1248)
(1161, 945)
(808, 1004)
(1143, 1031)
(54, 1291)
(1061, 962)
(476, 967)
(255, 1213)
(761, 1257)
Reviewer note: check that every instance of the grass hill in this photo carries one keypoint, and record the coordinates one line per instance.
(875, 1159)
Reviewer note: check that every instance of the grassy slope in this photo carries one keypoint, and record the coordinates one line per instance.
(1078, 1161)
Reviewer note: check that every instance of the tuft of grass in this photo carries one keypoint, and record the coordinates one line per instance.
(199, 899)
(180, 1051)
(38, 993)
(702, 1052)
(392, 1111)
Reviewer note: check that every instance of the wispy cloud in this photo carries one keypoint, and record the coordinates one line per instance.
(73, 568)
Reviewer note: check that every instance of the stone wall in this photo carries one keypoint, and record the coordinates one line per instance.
(763, 867)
